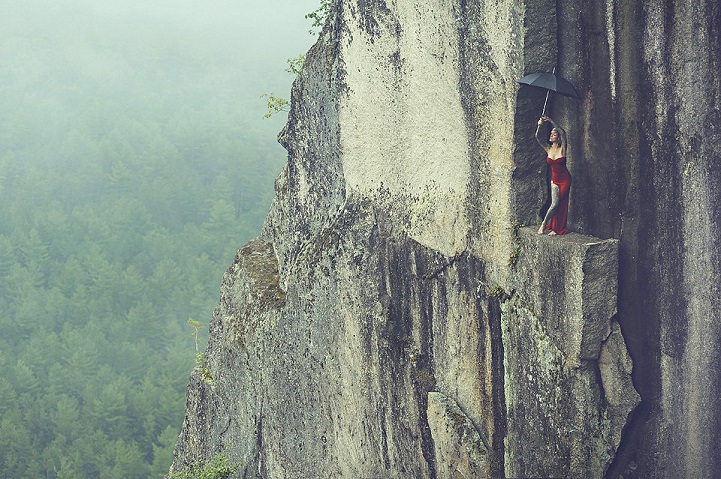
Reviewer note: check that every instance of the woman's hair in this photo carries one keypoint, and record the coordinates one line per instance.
(558, 133)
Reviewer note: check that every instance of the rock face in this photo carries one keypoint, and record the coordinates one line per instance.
(459, 449)
(394, 320)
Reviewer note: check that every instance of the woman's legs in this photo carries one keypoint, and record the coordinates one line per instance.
(555, 199)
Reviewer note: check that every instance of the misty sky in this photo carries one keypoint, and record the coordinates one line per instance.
(60, 58)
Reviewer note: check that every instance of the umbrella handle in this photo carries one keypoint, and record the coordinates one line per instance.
(548, 92)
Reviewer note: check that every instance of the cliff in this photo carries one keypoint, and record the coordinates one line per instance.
(395, 320)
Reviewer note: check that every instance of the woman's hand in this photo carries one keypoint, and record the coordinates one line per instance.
(540, 121)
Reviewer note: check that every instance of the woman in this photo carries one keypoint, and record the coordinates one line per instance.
(557, 213)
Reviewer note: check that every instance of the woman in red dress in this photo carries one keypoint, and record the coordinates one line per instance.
(557, 213)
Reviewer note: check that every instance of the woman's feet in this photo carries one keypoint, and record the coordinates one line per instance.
(542, 230)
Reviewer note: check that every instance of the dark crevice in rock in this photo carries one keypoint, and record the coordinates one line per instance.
(624, 464)
(499, 398)
(424, 376)
(259, 463)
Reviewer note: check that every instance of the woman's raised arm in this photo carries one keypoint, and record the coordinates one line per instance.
(543, 144)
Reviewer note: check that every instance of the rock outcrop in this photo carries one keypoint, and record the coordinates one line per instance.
(568, 384)
(395, 320)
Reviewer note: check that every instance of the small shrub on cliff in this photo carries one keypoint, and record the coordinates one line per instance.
(275, 104)
(218, 467)
(295, 65)
(319, 16)
(497, 291)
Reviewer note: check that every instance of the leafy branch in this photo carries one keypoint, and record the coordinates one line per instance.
(295, 65)
(275, 104)
(205, 373)
(319, 16)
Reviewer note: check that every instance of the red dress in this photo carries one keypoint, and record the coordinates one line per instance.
(560, 176)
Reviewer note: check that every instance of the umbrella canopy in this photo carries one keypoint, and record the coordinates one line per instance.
(550, 81)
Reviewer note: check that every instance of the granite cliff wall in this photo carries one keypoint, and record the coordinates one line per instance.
(395, 320)
(648, 126)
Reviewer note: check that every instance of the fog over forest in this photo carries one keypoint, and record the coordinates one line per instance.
(134, 161)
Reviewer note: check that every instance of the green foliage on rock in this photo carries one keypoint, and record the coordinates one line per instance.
(319, 16)
(295, 65)
(218, 467)
(275, 104)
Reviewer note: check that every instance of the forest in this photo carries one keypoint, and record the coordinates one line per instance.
(134, 162)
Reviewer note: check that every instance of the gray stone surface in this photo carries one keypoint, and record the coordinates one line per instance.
(459, 449)
(330, 377)
(619, 395)
(223, 405)
(570, 283)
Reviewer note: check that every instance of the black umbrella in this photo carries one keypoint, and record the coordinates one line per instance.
(550, 82)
